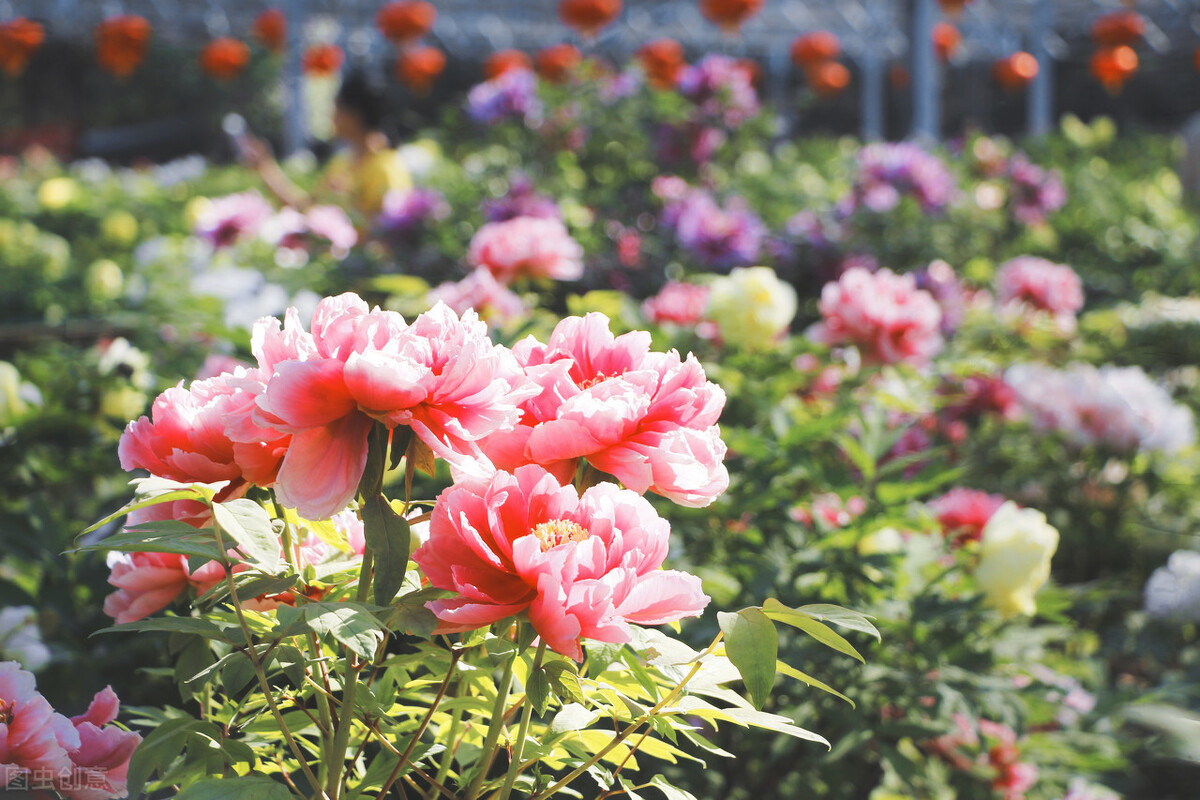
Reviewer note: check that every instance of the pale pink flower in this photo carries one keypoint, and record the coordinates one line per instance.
(495, 302)
(648, 419)
(680, 303)
(34, 738)
(233, 218)
(101, 761)
(526, 247)
(442, 376)
(333, 225)
(146, 583)
(884, 314)
(216, 364)
(962, 513)
(1042, 285)
(583, 567)
(204, 434)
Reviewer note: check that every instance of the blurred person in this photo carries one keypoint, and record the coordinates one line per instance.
(364, 170)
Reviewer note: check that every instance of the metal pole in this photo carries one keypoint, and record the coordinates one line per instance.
(1040, 112)
(926, 82)
(871, 64)
(295, 117)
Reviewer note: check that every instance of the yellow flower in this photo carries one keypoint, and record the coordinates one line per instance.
(122, 402)
(752, 307)
(881, 542)
(1014, 558)
(104, 279)
(120, 227)
(195, 208)
(57, 193)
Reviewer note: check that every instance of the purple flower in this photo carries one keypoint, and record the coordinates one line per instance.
(940, 281)
(719, 237)
(887, 172)
(619, 86)
(1035, 192)
(521, 200)
(512, 95)
(721, 88)
(405, 212)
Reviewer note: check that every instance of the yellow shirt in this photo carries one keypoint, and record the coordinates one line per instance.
(365, 181)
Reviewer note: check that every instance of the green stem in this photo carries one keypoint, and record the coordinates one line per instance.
(494, 725)
(514, 763)
(416, 737)
(341, 737)
(451, 738)
(633, 726)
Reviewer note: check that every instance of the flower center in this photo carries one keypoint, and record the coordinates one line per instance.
(6, 713)
(559, 531)
(598, 378)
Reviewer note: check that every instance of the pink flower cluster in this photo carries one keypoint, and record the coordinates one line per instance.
(1041, 285)
(678, 303)
(889, 171)
(299, 423)
(80, 758)
(722, 89)
(324, 226)
(1034, 191)
(495, 302)
(1120, 408)
(526, 247)
(648, 419)
(884, 314)
(996, 754)
(582, 566)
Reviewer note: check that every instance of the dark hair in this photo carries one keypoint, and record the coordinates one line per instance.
(363, 98)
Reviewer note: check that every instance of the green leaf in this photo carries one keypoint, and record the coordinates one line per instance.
(349, 623)
(156, 752)
(671, 792)
(842, 617)
(199, 627)
(804, 677)
(752, 644)
(371, 483)
(249, 788)
(564, 680)
(572, 717)
(538, 691)
(164, 491)
(161, 536)
(249, 524)
(267, 585)
(388, 536)
(817, 630)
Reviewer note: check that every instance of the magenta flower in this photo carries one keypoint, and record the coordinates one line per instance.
(320, 226)
(1041, 285)
(521, 200)
(884, 314)
(407, 211)
(648, 419)
(442, 376)
(721, 88)
(511, 95)
(720, 237)
(233, 218)
(583, 567)
(1034, 192)
(889, 171)
(526, 247)
(495, 302)
(962, 513)
(679, 303)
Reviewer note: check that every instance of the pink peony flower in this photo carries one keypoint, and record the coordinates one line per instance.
(146, 583)
(648, 419)
(680, 303)
(526, 247)
(884, 314)
(327, 225)
(495, 302)
(1042, 285)
(204, 434)
(216, 364)
(442, 376)
(34, 738)
(101, 761)
(962, 513)
(583, 567)
(233, 218)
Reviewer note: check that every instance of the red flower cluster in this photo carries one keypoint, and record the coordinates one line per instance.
(418, 67)
(270, 28)
(323, 59)
(661, 60)
(503, 61)
(19, 40)
(589, 17)
(816, 53)
(1016, 71)
(946, 41)
(556, 63)
(729, 15)
(121, 43)
(224, 58)
(405, 21)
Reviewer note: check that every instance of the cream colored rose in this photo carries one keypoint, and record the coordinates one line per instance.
(751, 307)
(1014, 558)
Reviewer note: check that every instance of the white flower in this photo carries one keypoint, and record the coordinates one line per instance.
(752, 307)
(20, 639)
(119, 357)
(1014, 558)
(420, 157)
(1173, 591)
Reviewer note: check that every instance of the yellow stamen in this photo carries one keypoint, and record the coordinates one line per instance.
(559, 531)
